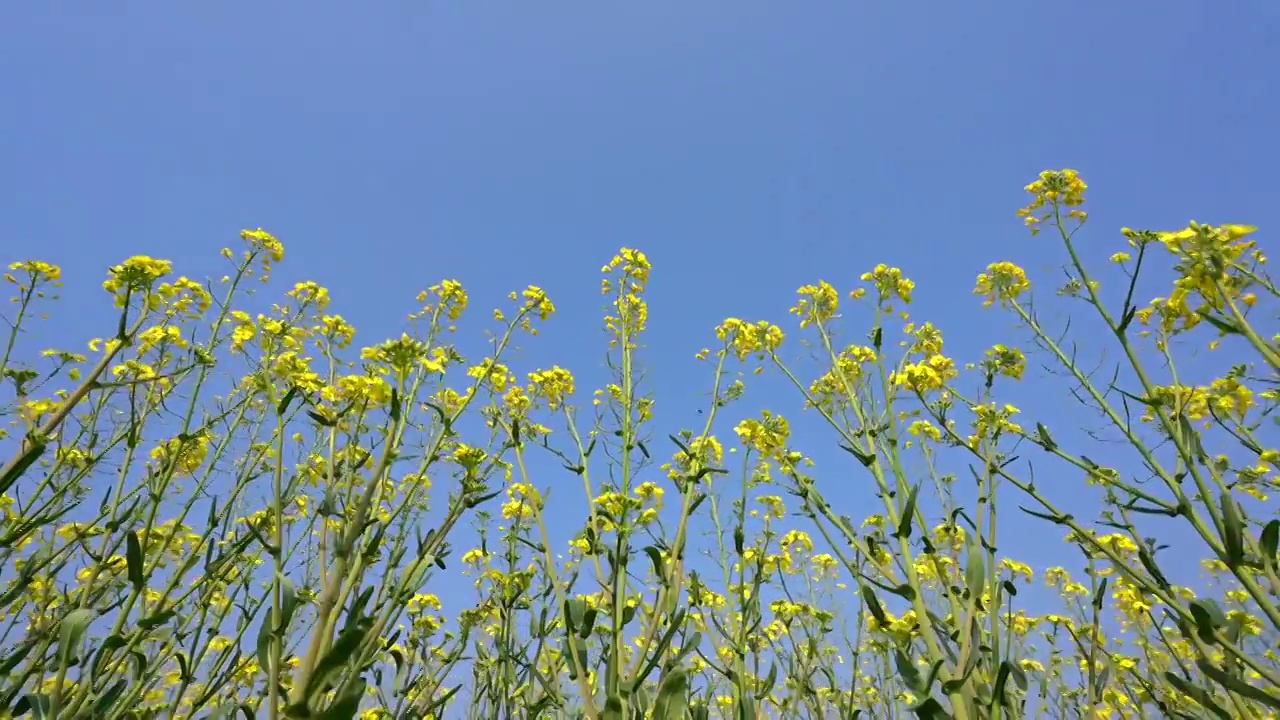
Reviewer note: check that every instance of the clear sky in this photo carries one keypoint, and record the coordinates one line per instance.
(747, 147)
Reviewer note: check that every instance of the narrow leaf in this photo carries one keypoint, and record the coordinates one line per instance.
(908, 513)
(133, 559)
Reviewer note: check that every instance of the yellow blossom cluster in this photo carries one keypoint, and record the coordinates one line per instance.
(745, 338)
(1054, 189)
(136, 274)
(816, 304)
(1002, 281)
(889, 283)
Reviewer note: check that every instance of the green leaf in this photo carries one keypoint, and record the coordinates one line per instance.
(934, 669)
(975, 571)
(691, 644)
(904, 591)
(1019, 677)
(873, 604)
(1192, 438)
(395, 408)
(1270, 539)
(262, 646)
(767, 686)
(588, 623)
(1045, 441)
(1126, 319)
(1197, 693)
(288, 605)
(139, 665)
(1208, 617)
(107, 699)
(345, 707)
(673, 696)
(930, 709)
(584, 654)
(613, 709)
(25, 460)
(867, 459)
(337, 659)
(133, 559)
(155, 620)
(321, 420)
(1055, 519)
(38, 704)
(659, 567)
(440, 702)
(1218, 322)
(1002, 678)
(907, 670)
(1236, 685)
(574, 609)
(908, 513)
(71, 632)
(1232, 530)
(477, 501)
(283, 406)
(16, 657)
(1149, 562)
(683, 448)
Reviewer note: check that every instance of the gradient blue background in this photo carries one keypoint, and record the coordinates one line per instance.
(747, 147)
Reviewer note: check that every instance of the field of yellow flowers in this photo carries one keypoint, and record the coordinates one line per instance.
(216, 513)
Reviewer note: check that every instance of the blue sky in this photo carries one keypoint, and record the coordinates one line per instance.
(747, 147)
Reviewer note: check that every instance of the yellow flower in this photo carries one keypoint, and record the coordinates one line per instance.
(765, 436)
(1007, 361)
(265, 241)
(927, 376)
(651, 492)
(524, 501)
(186, 454)
(1016, 568)
(453, 300)
(704, 452)
(244, 330)
(536, 301)
(38, 270)
(1052, 190)
(744, 338)
(185, 297)
(553, 385)
(310, 292)
(889, 283)
(160, 335)
(423, 601)
(493, 373)
(774, 506)
(1002, 281)
(336, 329)
(817, 303)
(138, 273)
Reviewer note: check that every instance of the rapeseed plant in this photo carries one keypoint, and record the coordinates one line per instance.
(216, 511)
